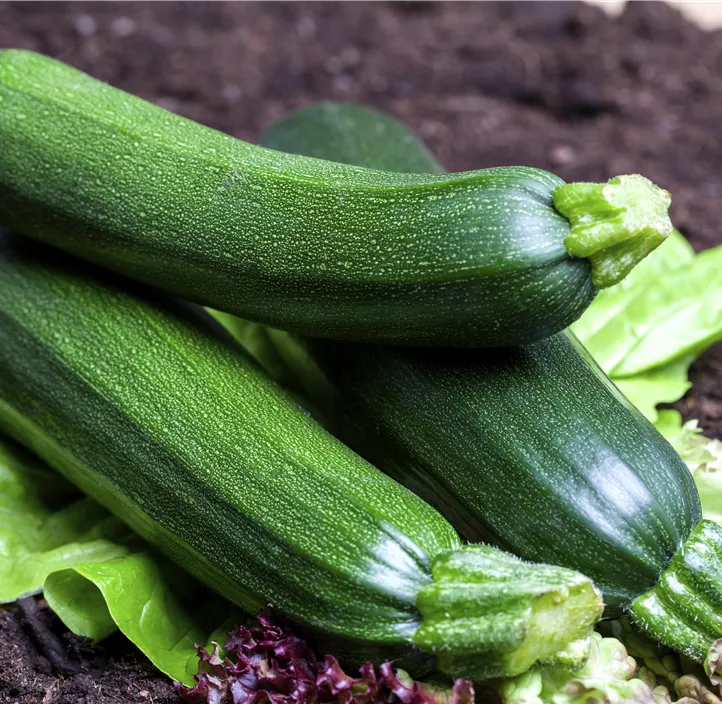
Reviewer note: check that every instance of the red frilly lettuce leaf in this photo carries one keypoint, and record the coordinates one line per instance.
(267, 664)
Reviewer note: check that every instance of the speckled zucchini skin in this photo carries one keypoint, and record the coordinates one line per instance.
(182, 437)
(532, 448)
(143, 405)
(320, 248)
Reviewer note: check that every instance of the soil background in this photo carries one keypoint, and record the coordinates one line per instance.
(558, 85)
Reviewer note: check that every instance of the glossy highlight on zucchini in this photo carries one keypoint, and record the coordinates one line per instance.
(531, 448)
(156, 414)
(480, 258)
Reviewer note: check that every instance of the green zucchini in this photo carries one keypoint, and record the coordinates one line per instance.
(533, 449)
(140, 403)
(482, 258)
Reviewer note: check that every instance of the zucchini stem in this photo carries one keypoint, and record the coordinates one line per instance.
(489, 614)
(684, 609)
(614, 224)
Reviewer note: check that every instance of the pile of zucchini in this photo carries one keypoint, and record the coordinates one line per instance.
(428, 314)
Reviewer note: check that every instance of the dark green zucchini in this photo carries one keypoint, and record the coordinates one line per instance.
(531, 448)
(355, 135)
(482, 258)
(139, 402)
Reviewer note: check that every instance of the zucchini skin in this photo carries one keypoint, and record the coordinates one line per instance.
(319, 248)
(116, 391)
(531, 448)
(139, 402)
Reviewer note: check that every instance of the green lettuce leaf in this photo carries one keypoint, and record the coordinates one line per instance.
(646, 331)
(703, 457)
(607, 678)
(669, 675)
(680, 315)
(611, 303)
(158, 606)
(96, 574)
(45, 525)
(668, 308)
(665, 384)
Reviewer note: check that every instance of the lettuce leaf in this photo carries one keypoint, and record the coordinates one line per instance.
(46, 524)
(678, 315)
(607, 678)
(665, 384)
(703, 457)
(96, 574)
(612, 302)
(158, 606)
(646, 331)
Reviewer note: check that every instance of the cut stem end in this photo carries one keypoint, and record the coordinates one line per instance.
(489, 614)
(614, 224)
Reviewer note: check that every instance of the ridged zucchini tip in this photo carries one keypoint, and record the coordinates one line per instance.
(682, 610)
(488, 612)
(614, 224)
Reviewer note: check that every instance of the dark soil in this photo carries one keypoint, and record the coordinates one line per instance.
(557, 85)
(40, 663)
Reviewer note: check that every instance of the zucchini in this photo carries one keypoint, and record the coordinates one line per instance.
(482, 258)
(533, 449)
(140, 403)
